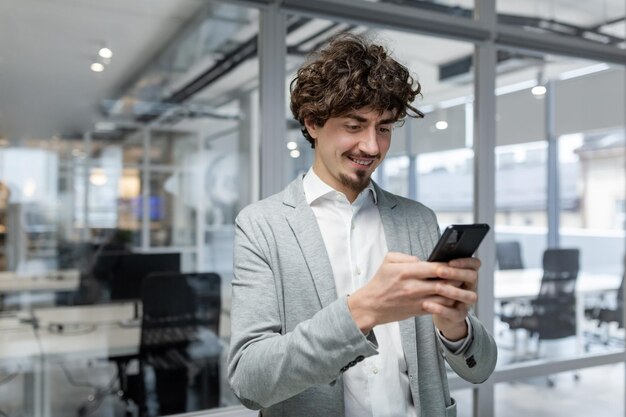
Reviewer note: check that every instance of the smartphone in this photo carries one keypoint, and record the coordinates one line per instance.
(458, 241)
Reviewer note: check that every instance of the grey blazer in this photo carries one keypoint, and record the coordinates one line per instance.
(292, 338)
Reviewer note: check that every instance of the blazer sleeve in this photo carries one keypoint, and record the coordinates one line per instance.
(267, 365)
(477, 361)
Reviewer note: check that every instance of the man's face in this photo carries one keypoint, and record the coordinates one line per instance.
(349, 148)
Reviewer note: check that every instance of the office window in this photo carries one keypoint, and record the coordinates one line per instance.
(559, 176)
(601, 22)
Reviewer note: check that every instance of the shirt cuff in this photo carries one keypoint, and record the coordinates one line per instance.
(458, 346)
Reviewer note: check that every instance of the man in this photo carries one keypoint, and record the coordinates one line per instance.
(333, 311)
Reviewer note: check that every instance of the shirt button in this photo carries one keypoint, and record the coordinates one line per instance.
(375, 370)
(338, 196)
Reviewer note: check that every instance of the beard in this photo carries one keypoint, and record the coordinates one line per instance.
(357, 184)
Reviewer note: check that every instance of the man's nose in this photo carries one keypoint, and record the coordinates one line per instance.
(369, 141)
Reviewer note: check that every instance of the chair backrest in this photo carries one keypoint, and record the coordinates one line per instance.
(176, 306)
(509, 255)
(168, 312)
(555, 305)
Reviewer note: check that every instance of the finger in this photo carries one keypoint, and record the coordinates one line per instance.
(469, 276)
(461, 295)
(398, 257)
(456, 313)
(466, 263)
(440, 300)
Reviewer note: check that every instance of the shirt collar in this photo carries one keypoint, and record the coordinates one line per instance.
(315, 188)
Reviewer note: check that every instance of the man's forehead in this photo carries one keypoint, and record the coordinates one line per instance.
(371, 115)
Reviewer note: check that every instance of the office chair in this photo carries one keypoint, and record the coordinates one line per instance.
(509, 255)
(552, 315)
(179, 341)
(606, 312)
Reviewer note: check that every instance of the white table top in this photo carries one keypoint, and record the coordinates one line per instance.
(91, 331)
(17, 341)
(109, 313)
(65, 280)
(525, 283)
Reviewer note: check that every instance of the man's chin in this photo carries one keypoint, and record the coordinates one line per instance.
(356, 182)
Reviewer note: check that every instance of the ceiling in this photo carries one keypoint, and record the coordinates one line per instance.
(46, 48)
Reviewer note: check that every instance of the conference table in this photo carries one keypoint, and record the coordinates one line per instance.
(524, 284)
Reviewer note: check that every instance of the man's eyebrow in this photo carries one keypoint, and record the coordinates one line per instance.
(362, 119)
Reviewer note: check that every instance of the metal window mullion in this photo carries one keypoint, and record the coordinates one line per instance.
(552, 189)
(549, 43)
(200, 210)
(145, 190)
(273, 127)
(87, 140)
(484, 199)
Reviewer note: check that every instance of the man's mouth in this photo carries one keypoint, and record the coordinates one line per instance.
(363, 162)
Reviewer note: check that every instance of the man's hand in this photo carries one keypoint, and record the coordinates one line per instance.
(459, 285)
(401, 288)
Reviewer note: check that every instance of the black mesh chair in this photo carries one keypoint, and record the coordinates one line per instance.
(552, 315)
(509, 255)
(179, 327)
(605, 312)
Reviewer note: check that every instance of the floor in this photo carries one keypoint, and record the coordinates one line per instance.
(597, 391)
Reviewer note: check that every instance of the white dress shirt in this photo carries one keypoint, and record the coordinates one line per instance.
(355, 241)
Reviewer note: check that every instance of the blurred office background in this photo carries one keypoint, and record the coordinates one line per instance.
(132, 132)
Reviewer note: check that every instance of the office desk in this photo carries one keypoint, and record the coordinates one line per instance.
(524, 284)
(92, 331)
(66, 280)
(98, 332)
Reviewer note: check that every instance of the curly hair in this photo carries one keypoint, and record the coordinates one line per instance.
(351, 73)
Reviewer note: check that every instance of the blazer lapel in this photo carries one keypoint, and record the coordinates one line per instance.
(307, 232)
(397, 234)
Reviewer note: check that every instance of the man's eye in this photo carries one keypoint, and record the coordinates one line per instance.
(352, 127)
(384, 129)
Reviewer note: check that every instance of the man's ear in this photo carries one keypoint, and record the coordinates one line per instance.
(311, 127)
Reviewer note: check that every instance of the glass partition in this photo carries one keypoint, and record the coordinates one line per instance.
(559, 228)
(121, 172)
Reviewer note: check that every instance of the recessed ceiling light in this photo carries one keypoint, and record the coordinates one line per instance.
(105, 53)
(292, 145)
(295, 153)
(538, 90)
(441, 125)
(97, 67)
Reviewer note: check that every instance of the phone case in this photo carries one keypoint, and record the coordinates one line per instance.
(458, 241)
